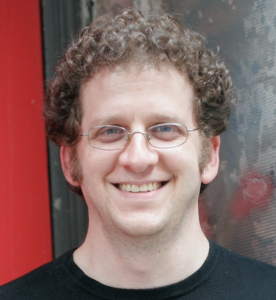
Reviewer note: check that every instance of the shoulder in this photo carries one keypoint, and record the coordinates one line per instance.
(240, 263)
(36, 282)
(244, 275)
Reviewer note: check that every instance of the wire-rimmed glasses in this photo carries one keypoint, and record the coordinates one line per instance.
(164, 136)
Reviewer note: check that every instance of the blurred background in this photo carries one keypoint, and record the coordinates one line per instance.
(40, 218)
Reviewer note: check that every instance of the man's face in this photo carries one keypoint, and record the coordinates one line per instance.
(137, 101)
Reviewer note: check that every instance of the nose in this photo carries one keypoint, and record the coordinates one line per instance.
(138, 155)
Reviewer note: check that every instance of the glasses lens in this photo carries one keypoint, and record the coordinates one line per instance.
(167, 135)
(108, 137)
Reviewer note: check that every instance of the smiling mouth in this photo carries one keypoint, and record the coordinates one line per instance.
(147, 187)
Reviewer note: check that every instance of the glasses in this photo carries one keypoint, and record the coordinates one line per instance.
(164, 136)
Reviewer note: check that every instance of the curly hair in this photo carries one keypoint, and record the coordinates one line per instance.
(137, 40)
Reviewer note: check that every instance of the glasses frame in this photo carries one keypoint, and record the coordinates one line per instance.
(130, 134)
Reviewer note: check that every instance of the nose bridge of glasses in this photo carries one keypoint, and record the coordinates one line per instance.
(130, 134)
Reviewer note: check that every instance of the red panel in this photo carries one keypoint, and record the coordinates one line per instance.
(25, 231)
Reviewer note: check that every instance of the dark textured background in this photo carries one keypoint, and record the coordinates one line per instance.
(238, 208)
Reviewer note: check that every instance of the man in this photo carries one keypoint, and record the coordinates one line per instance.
(137, 107)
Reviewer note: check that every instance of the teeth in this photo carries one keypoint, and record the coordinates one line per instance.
(135, 188)
(140, 188)
(150, 187)
(143, 188)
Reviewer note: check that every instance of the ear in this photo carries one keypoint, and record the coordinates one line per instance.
(211, 169)
(65, 159)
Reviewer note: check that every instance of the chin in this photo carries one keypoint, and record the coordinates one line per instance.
(141, 226)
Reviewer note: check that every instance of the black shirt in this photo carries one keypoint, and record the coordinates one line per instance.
(223, 276)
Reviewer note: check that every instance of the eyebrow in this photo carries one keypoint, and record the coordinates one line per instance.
(169, 117)
(113, 119)
(105, 120)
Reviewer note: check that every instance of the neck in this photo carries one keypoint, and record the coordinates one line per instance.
(142, 262)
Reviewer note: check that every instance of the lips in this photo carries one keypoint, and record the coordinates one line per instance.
(146, 187)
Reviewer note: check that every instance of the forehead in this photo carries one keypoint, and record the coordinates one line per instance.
(137, 94)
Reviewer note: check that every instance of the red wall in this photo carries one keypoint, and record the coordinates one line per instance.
(25, 230)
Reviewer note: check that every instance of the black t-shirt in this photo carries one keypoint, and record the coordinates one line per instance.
(223, 276)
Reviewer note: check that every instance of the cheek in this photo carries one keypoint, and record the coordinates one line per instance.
(96, 167)
(183, 162)
(99, 164)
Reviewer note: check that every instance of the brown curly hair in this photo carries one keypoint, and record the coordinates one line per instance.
(137, 40)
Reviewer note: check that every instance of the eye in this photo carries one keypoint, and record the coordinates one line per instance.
(167, 132)
(108, 130)
(108, 137)
(111, 131)
(107, 134)
(165, 128)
